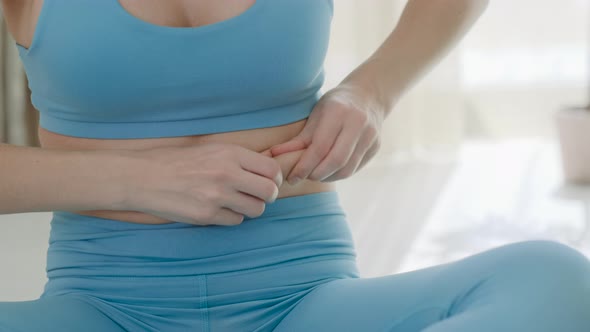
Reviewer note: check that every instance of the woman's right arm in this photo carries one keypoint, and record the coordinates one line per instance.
(34, 179)
(206, 184)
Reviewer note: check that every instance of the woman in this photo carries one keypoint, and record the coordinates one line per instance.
(172, 135)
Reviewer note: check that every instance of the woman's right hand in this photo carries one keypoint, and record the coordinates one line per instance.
(207, 184)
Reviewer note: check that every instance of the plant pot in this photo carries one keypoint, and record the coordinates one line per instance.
(573, 127)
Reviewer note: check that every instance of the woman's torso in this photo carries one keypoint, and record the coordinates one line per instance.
(176, 13)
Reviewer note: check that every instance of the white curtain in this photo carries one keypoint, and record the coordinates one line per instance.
(429, 118)
(387, 199)
(522, 61)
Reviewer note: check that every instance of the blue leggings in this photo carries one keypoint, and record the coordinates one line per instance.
(291, 269)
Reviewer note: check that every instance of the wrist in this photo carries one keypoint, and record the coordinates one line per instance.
(121, 175)
(367, 80)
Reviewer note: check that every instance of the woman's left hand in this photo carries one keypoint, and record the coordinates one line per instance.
(340, 136)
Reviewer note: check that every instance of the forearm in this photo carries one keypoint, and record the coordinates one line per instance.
(426, 32)
(39, 179)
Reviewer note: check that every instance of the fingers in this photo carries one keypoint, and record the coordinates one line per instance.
(323, 139)
(255, 185)
(245, 204)
(262, 187)
(370, 154)
(297, 143)
(254, 190)
(288, 160)
(212, 214)
(366, 148)
(263, 165)
(226, 217)
(340, 154)
(266, 153)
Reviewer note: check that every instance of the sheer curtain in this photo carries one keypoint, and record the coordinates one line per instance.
(387, 200)
(521, 62)
(429, 118)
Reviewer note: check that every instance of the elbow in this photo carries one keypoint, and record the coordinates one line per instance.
(478, 6)
(472, 6)
(483, 4)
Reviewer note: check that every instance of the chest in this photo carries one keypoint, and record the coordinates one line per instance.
(185, 13)
(102, 61)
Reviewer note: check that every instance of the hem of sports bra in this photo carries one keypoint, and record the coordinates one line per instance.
(155, 129)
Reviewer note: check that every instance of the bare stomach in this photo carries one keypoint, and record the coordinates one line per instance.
(258, 140)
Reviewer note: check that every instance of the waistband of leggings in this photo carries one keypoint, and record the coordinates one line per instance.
(292, 229)
(285, 207)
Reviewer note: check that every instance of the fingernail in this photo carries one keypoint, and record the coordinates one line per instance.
(274, 196)
(279, 179)
(294, 180)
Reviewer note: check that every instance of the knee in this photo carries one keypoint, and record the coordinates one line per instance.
(550, 260)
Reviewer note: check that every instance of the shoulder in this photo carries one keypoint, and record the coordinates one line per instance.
(16, 13)
(15, 8)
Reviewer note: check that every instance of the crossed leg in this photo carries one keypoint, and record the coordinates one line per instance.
(528, 286)
(59, 313)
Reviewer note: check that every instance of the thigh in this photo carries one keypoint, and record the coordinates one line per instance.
(403, 302)
(529, 286)
(62, 313)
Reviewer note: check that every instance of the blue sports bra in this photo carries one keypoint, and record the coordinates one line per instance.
(97, 71)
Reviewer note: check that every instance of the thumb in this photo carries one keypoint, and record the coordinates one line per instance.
(299, 142)
(266, 153)
(296, 143)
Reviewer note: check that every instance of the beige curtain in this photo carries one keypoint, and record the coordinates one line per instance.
(18, 118)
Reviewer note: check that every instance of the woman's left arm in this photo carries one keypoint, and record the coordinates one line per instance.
(342, 132)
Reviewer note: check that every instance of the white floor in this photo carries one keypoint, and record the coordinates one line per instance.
(403, 216)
